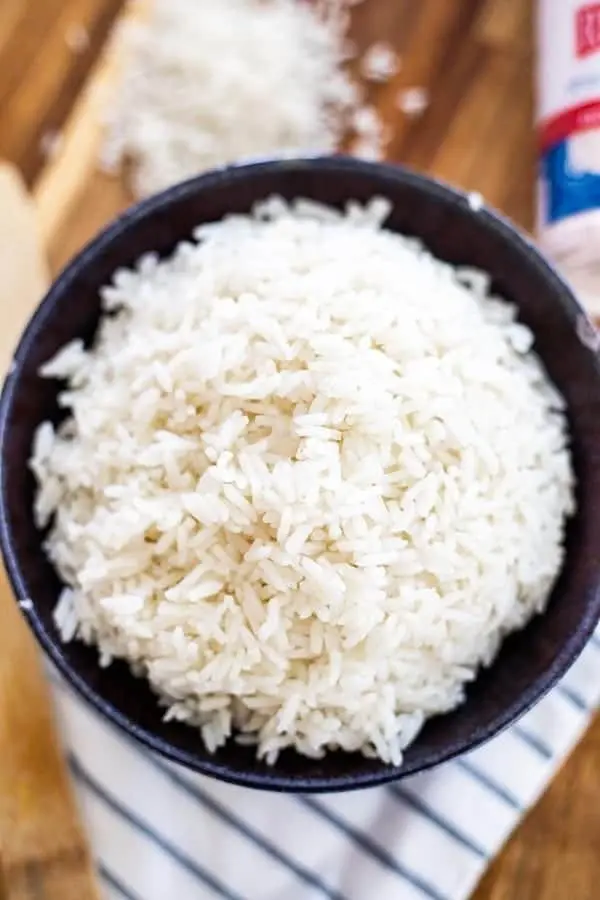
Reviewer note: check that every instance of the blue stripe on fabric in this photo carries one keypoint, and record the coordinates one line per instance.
(573, 697)
(166, 846)
(538, 746)
(302, 873)
(115, 883)
(205, 800)
(373, 850)
(419, 806)
(490, 784)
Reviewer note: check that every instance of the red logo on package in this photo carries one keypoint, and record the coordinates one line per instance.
(588, 29)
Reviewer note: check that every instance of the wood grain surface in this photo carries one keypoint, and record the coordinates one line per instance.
(474, 57)
(43, 852)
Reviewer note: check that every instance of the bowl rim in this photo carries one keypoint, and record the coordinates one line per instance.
(114, 231)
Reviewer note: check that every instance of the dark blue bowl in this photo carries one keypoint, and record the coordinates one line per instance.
(529, 662)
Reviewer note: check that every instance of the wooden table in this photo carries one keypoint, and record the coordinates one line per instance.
(475, 59)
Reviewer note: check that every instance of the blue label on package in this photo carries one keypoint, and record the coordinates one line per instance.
(568, 192)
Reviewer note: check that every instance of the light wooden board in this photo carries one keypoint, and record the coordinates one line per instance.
(43, 853)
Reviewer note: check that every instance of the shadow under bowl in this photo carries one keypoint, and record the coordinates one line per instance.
(529, 662)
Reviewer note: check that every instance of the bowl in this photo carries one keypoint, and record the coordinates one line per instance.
(454, 229)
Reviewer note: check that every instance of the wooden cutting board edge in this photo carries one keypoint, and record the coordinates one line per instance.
(43, 851)
(33, 788)
(64, 177)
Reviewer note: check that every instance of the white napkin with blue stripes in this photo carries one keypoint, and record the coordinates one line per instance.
(161, 833)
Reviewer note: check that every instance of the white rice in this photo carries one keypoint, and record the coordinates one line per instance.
(380, 62)
(413, 101)
(310, 478)
(208, 82)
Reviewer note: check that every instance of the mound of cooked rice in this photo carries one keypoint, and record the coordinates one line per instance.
(309, 478)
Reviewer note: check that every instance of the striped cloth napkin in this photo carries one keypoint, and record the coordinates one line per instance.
(162, 833)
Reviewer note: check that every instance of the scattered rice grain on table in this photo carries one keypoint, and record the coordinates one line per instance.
(413, 101)
(380, 62)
